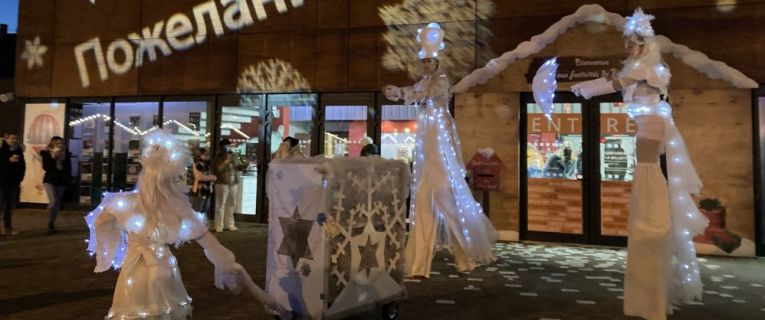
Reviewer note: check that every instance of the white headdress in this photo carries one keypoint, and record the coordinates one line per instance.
(162, 150)
(639, 24)
(432, 39)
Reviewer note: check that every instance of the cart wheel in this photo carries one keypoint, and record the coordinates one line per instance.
(390, 311)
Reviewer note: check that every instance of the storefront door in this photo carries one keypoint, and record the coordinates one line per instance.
(759, 168)
(576, 170)
(346, 118)
(240, 119)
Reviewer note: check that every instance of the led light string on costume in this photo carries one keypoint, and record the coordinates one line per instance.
(165, 155)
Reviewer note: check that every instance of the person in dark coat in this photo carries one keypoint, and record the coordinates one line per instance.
(57, 163)
(368, 148)
(12, 169)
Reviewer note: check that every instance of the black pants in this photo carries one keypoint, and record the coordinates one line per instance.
(9, 195)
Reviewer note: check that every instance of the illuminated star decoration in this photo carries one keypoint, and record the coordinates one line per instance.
(544, 86)
(295, 242)
(33, 53)
(368, 254)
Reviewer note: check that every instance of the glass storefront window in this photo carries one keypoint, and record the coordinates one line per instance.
(292, 116)
(398, 131)
(88, 139)
(554, 169)
(241, 124)
(188, 122)
(132, 121)
(344, 127)
(617, 167)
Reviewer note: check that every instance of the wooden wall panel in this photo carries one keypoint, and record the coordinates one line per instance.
(724, 6)
(337, 44)
(334, 14)
(331, 58)
(736, 38)
(557, 8)
(365, 70)
(209, 67)
(365, 14)
(36, 18)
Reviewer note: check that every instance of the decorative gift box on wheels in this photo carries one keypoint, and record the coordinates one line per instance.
(336, 236)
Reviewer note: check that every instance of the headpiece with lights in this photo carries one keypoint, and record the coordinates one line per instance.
(432, 40)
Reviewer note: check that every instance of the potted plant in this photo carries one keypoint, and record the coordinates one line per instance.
(715, 232)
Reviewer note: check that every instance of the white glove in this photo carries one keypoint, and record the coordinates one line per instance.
(591, 88)
(392, 93)
(228, 273)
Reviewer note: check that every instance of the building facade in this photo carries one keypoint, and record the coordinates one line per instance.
(105, 73)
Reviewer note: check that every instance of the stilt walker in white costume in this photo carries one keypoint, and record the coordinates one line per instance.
(662, 269)
(134, 230)
(443, 212)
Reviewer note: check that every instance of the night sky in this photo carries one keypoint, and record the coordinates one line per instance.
(9, 14)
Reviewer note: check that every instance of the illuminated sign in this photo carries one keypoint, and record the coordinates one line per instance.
(175, 33)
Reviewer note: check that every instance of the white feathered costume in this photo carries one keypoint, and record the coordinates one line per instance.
(133, 231)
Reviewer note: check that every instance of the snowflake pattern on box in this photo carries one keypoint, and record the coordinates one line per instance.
(366, 221)
(336, 234)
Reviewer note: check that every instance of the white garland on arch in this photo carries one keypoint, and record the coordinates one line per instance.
(593, 12)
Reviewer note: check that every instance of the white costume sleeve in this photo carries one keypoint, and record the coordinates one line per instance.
(436, 88)
(228, 273)
(592, 88)
(107, 240)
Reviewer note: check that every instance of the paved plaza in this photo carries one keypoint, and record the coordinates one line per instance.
(50, 277)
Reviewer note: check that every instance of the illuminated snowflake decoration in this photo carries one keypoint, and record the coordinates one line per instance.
(273, 75)
(33, 53)
(465, 40)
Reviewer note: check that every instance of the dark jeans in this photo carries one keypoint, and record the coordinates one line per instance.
(201, 203)
(55, 195)
(8, 195)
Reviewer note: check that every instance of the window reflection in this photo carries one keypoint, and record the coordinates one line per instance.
(344, 127)
(398, 131)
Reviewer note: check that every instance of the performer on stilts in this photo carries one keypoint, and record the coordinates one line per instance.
(443, 212)
(662, 268)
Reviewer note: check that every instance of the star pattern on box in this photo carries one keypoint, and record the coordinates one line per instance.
(295, 242)
(33, 53)
(368, 255)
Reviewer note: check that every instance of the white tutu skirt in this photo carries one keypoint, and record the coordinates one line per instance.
(150, 287)
(649, 248)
